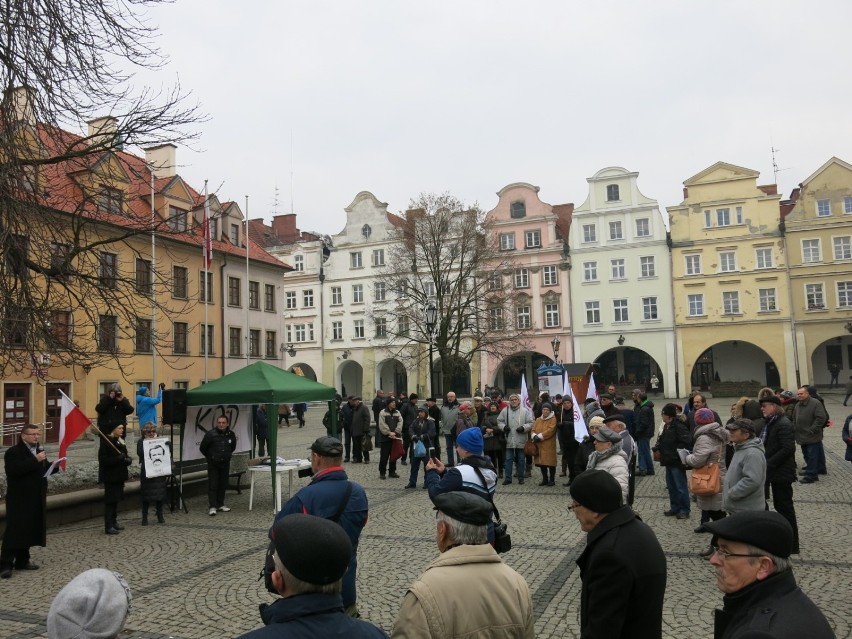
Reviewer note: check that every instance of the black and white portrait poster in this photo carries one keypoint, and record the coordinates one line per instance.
(157, 457)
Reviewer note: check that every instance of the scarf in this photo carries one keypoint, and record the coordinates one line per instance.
(595, 458)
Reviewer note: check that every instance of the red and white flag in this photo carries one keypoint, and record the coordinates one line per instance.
(207, 245)
(72, 424)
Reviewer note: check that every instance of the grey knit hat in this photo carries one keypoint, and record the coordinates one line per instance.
(93, 605)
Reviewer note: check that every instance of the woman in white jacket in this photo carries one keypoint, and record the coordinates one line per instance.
(609, 457)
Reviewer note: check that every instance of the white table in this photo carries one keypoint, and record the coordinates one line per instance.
(280, 470)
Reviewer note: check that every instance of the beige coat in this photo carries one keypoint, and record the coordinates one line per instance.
(709, 448)
(467, 591)
(547, 448)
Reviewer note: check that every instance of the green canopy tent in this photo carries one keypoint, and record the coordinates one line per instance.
(260, 383)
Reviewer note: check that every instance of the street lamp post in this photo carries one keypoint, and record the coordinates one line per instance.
(431, 323)
(555, 344)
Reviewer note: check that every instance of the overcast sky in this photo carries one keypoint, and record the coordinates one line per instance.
(400, 97)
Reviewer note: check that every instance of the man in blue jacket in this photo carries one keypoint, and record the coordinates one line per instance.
(311, 556)
(332, 496)
(146, 406)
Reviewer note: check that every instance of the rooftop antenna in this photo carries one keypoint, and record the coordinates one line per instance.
(276, 200)
(775, 169)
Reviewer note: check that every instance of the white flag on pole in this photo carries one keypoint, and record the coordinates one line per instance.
(592, 391)
(580, 430)
(525, 395)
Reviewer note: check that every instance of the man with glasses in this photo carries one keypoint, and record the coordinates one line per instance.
(516, 422)
(26, 502)
(622, 569)
(751, 558)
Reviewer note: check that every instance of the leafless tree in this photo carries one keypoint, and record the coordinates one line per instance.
(63, 65)
(444, 253)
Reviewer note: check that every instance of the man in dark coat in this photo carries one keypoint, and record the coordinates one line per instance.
(217, 446)
(753, 568)
(361, 426)
(622, 569)
(408, 410)
(645, 429)
(26, 502)
(779, 444)
(347, 409)
(113, 410)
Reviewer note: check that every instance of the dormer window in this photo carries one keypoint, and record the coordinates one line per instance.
(235, 234)
(110, 199)
(177, 219)
(612, 194)
(518, 210)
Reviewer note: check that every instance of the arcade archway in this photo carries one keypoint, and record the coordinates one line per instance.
(303, 369)
(508, 375)
(736, 362)
(392, 377)
(351, 378)
(628, 366)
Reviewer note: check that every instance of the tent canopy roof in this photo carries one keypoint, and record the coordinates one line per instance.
(259, 383)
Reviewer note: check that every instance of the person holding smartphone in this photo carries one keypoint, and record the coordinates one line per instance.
(113, 410)
(421, 429)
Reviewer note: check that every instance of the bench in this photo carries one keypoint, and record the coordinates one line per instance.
(239, 476)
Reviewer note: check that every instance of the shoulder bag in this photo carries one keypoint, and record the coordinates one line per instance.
(502, 539)
(707, 480)
(531, 448)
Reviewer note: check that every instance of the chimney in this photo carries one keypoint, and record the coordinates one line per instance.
(103, 132)
(284, 228)
(20, 99)
(685, 193)
(161, 158)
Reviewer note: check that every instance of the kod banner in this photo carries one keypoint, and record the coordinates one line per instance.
(200, 419)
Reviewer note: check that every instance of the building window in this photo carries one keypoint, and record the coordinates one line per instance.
(495, 282)
(739, 211)
(336, 296)
(518, 210)
(271, 345)
(823, 208)
(593, 312)
(842, 248)
(522, 278)
(727, 262)
(214, 229)
(180, 279)
(380, 291)
(766, 299)
(205, 280)
(299, 263)
(612, 193)
(109, 270)
(551, 315)
(254, 342)
(177, 219)
(290, 300)
(254, 295)
(589, 233)
(269, 297)
(763, 257)
(590, 271)
(235, 234)
(378, 257)
(708, 218)
(619, 311)
(847, 205)
(235, 342)
(649, 308)
(60, 328)
(429, 288)
(107, 332)
(495, 319)
(144, 276)
(234, 291)
(643, 228)
(844, 294)
(181, 332)
(723, 217)
(814, 296)
(507, 241)
(308, 298)
(532, 239)
(648, 266)
(357, 293)
(695, 304)
(810, 251)
(142, 341)
(59, 261)
(355, 260)
(207, 344)
(693, 264)
(403, 325)
(549, 276)
(110, 200)
(731, 302)
(358, 326)
(617, 269)
(524, 317)
(615, 231)
(336, 330)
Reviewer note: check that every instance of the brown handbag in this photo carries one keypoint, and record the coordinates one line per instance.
(531, 448)
(707, 480)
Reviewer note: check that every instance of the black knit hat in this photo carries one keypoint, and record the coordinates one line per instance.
(312, 549)
(596, 490)
(764, 529)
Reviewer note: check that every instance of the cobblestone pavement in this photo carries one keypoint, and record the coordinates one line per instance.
(196, 576)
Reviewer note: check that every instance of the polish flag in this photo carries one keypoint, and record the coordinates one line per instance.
(72, 424)
(207, 246)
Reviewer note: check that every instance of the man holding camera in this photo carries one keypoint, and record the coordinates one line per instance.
(331, 495)
(113, 410)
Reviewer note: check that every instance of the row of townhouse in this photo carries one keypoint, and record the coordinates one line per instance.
(738, 286)
(190, 321)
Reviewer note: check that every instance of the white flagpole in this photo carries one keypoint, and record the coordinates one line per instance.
(207, 244)
(592, 390)
(153, 287)
(248, 287)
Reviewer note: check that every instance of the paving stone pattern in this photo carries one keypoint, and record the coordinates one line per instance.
(197, 576)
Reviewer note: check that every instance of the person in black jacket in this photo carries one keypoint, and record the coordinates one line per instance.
(564, 412)
(675, 435)
(622, 568)
(779, 443)
(421, 429)
(26, 501)
(113, 460)
(113, 410)
(217, 446)
(645, 427)
(408, 410)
